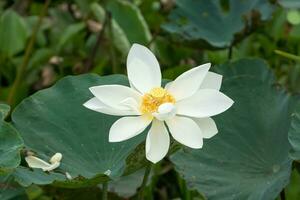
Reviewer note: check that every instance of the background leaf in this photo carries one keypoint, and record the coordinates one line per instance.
(289, 3)
(208, 20)
(70, 32)
(13, 33)
(134, 25)
(119, 38)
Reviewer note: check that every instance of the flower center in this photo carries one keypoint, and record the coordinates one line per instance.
(152, 100)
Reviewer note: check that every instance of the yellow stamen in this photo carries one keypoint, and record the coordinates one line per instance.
(152, 100)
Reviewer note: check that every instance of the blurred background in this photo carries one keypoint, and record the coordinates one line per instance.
(43, 41)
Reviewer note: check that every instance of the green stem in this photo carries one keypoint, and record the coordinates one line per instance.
(230, 53)
(90, 61)
(111, 46)
(145, 180)
(287, 55)
(28, 51)
(104, 190)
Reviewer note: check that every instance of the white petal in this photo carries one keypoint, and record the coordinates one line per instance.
(68, 176)
(207, 126)
(128, 127)
(98, 106)
(114, 95)
(35, 162)
(56, 158)
(204, 103)
(212, 81)
(157, 142)
(143, 69)
(189, 82)
(131, 104)
(186, 131)
(52, 167)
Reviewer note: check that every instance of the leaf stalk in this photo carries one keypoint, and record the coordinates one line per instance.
(145, 180)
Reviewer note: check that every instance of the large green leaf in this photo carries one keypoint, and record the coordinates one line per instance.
(248, 159)
(250, 67)
(294, 134)
(13, 33)
(26, 177)
(10, 143)
(54, 120)
(207, 20)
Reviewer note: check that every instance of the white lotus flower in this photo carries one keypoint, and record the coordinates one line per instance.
(35, 162)
(184, 105)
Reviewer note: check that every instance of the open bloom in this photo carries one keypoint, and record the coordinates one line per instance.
(35, 162)
(184, 105)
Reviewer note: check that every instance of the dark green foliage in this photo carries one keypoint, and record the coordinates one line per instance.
(254, 44)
